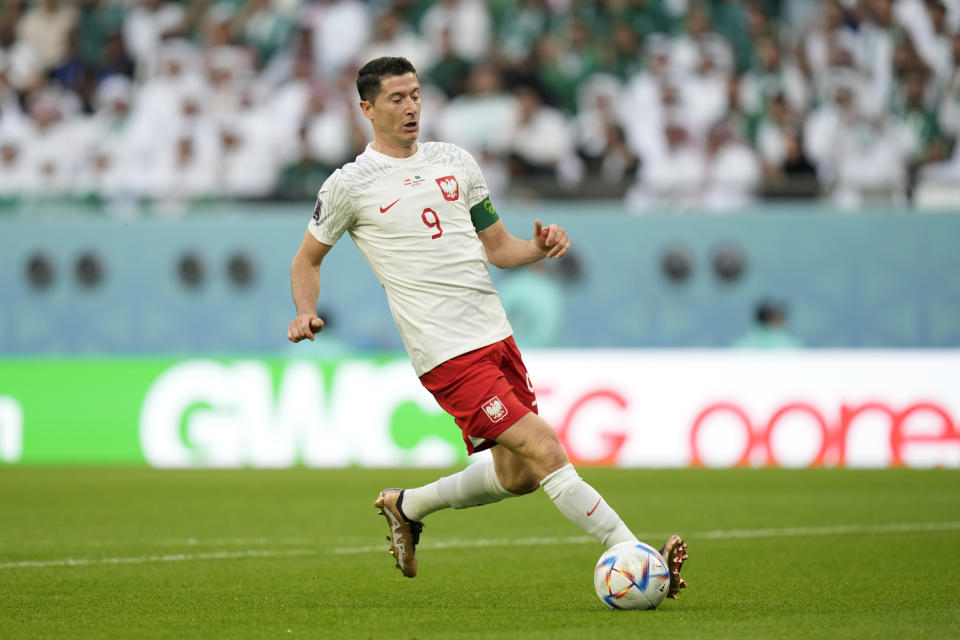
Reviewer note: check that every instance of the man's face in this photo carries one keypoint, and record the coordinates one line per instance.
(395, 112)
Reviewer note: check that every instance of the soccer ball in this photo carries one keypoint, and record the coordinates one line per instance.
(631, 575)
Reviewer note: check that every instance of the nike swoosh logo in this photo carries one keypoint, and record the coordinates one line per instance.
(384, 209)
(590, 513)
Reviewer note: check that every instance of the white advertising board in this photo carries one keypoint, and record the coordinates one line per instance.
(621, 408)
(721, 409)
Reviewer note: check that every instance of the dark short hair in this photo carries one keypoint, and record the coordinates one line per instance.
(769, 310)
(370, 74)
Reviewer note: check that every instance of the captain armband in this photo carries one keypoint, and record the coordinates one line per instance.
(483, 215)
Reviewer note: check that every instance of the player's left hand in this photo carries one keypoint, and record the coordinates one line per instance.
(551, 239)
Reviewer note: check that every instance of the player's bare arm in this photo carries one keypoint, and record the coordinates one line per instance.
(305, 286)
(504, 250)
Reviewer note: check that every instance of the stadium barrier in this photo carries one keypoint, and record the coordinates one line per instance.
(625, 408)
(876, 279)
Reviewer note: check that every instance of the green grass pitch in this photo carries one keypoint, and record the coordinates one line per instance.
(137, 553)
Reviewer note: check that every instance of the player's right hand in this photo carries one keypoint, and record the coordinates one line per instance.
(552, 240)
(304, 326)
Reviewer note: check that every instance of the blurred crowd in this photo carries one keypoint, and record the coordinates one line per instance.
(667, 104)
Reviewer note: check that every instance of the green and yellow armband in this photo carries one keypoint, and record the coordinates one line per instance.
(483, 215)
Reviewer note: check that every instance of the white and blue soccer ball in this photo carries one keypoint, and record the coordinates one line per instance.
(631, 575)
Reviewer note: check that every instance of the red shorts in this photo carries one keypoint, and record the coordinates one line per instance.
(485, 390)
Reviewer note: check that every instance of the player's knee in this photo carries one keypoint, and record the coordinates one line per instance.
(550, 452)
(547, 452)
(521, 482)
(535, 442)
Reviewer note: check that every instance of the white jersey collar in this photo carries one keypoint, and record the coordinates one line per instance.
(373, 153)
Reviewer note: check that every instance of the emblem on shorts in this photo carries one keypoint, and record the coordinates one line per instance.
(449, 187)
(495, 409)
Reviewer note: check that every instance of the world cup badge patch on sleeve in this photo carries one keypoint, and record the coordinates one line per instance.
(449, 187)
(316, 210)
(495, 409)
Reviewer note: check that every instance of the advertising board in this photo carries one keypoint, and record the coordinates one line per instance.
(619, 408)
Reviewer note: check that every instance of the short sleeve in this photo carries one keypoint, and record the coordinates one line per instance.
(477, 190)
(333, 212)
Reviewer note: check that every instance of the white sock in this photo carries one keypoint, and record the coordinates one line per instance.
(476, 485)
(585, 507)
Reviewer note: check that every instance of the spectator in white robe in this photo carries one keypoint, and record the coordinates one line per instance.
(468, 22)
(49, 146)
(822, 125)
(107, 154)
(685, 46)
(393, 37)
(937, 50)
(159, 99)
(145, 26)
(14, 176)
(644, 94)
(774, 132)
(828, 38)
(328, 127)
(186, 142)
(731, 173)
(12, 118)
(875, 53)
(228, 69)
(927, 23)
(948, 113)
(341, 29)
(243, 167)
(871, 157)
(703, 91)
(771, 75)
(289, 101)
(184, 173)
(673, 179)
(596, 114)
(540, 140)
(475, 120)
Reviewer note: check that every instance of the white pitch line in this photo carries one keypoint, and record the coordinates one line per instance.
(831, 530)
(166, 542)
(236, 541)
(461, 543)
(171, 557)
(785, 532)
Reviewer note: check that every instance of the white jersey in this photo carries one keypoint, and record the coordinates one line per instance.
(410, 217)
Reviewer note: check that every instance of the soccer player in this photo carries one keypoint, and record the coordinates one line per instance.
(421, 215)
